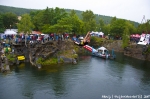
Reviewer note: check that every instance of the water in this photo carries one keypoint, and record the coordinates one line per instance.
(91, 78)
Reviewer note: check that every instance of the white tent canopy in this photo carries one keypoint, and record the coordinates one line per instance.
(102, 48)
(9, 32)
(101, 33)
(97, 33)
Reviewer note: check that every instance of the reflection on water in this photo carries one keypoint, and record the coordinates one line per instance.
(91, 78)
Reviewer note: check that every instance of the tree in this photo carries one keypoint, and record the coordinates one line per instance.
(106, 29)
(77, 24)
(125, 37)
(10, 19)
(101, 25)
(46, 16)
(58, 14)
(61, 27)
(70, 23)
(144, 27)
(37, 20)
(113, 20)
(131, 27)
(89, 20)
(117, 27)
(1, 24)
(25, 25)
(46, 28)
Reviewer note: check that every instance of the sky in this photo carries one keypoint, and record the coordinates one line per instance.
(133, 10)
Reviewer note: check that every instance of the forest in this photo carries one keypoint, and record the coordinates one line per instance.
(59, 20)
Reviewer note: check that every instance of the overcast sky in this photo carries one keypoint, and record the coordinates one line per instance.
(126, 9)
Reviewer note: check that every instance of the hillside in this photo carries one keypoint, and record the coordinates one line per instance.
(106, 19)
(17, 11)
(20, 11)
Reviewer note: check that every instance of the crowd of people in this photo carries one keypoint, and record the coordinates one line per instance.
(7, 40)
(38, 38)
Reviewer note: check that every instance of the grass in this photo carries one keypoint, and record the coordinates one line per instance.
(50, 61)
(11, 57)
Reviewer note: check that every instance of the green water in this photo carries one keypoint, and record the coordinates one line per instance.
(91, 78)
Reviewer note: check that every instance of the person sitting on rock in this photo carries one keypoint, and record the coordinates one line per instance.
(84, 41)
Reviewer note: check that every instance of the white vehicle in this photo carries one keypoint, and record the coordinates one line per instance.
(144, 40)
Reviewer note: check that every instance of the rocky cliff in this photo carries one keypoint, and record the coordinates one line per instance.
(133, 50)
(61, 51)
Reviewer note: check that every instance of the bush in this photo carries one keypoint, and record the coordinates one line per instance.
(11, 57)
(97, 41)
(47, 61)
(40, 60)
(147, 51)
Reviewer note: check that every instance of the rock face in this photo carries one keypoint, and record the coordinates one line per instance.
(63, 50)
(134, 50)
(115, 45)
(41, 50)
(66, 52)
(137, 51)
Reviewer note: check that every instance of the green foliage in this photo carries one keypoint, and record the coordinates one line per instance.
(131, 27)
(20, 11)
(106, 29)
(46, 16)
(40, 60)
(144, 27)
(61, 60)
(46, 28)
(1, 24)
(117, 27)
(96, 41)
(101, 25)
(37, 20)
(68, 53)
(113, 20)
(89, 21)
(59, 28)
(51, 20)
(11, 57)
(75, 56)
(60, 20)
(25, 25)
(58, 15)
(125, 38)
(75, 22)
(147, 51)
(50, 61)
(9, 20)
